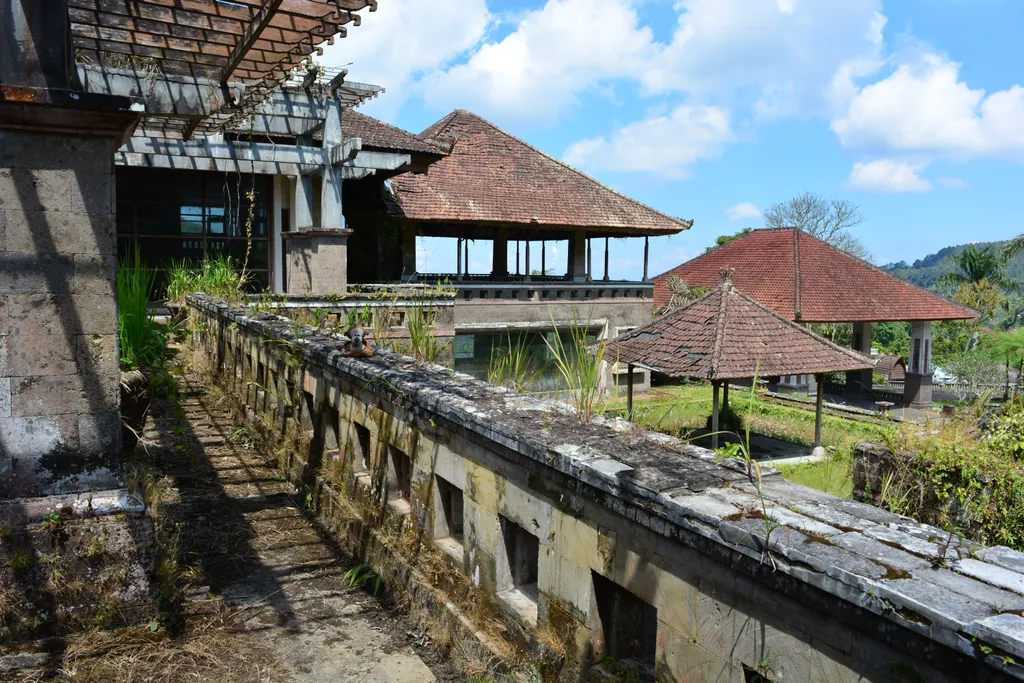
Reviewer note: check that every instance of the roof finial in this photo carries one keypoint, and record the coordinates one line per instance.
(726, 275)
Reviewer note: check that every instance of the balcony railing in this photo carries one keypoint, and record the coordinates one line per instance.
(539, 288)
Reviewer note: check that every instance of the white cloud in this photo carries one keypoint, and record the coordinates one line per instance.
(923, 108)
(405, 39)
(888, 176)
(557, 52)
(742, 211)
(778, 55)
(664, 145)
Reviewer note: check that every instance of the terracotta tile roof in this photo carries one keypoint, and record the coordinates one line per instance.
(379, 135)
(834, 286)
(491, 177)
(727, 335)
(892, 367)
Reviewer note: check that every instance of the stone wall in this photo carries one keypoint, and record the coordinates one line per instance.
(316, 261)
(602, 540)
(59, 374)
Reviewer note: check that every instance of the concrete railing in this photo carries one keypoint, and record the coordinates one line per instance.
(605, 539)
(543, 288)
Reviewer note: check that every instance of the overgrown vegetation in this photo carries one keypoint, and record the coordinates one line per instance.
(141, 339)
(579, 358)
(215, 276)
(514, 366)
(966, 473)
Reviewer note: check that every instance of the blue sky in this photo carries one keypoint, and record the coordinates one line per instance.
(714, 109)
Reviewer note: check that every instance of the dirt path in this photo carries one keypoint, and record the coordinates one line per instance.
(265, 593)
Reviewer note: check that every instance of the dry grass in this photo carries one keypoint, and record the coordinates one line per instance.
(210, 650)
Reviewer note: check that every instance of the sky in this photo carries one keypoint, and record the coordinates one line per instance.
(712, 110)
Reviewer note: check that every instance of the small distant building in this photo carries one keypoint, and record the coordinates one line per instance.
(807, 280)
(893, 368)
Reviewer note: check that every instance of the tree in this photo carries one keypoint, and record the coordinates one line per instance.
(828, 219)
(725, 239)
(682, 294)
(974, 265)
(975, 372)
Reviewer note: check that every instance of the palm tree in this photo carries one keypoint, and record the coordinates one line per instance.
(975, 265)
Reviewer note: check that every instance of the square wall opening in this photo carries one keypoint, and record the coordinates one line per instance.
(399, 475)
(629, 625)
(332, 442)
(522, 555)
(362, 445)
(448, 510)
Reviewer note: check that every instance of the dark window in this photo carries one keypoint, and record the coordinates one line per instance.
(916, 364)
(399, 475)
(629, 624)
(755, 675)
(450, 508)
(172, 215)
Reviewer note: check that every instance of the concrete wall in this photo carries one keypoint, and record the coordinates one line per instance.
(59, 374)
(316, 262)
(603, 539)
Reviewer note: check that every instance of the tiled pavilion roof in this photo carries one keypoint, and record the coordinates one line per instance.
(379, 135)
(727, 335)
(806, 279)
(491, 177)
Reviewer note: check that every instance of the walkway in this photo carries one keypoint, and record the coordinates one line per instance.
(266, 598)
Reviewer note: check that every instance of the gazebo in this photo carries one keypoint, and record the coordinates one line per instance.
(807, 280)
(726, 335)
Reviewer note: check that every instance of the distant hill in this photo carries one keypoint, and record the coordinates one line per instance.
(927, 271)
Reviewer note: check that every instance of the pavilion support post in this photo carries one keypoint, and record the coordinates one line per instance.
(818, 400)
(465, 259)
(725, 405)
(458, 260)
(714, 413)
(606, 258)
(517, 257)
(629, 392)
(543, 257)
(590, 260)
(577, 266)
(647, 255)
(499, 259)
(527, 269)
(858, 382)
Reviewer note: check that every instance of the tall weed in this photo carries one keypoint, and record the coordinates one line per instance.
(215, 277)
(513, 366)
(579, 361)
(142, 343)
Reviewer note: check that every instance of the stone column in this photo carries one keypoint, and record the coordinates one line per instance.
(917, 388)
(577, 267)
(858, 382)
(499, 259)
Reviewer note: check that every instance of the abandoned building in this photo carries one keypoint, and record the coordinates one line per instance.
(165, 124)
(809, 281)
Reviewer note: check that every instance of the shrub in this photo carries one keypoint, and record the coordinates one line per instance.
(215, 277)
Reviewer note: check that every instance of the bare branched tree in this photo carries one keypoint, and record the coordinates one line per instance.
(828, 219)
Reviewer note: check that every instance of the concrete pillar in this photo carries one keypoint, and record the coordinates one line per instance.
(499, 260)
(302, 203)
(408, 253)
(858, 382)
(917, 388)
(331, 217)
(577, 267)
(279, 187)
(60, 427)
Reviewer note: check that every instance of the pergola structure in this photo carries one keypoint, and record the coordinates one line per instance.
(493, 186)
(726, 335)
(807, 280)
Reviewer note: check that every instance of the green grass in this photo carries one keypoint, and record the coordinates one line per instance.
(141, 342)
(678, 410)
(213, 276)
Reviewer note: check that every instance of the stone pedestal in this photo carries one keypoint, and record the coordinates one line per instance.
(316, 261)
(917, 390)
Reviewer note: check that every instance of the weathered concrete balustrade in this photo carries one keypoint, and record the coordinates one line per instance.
(607, 540)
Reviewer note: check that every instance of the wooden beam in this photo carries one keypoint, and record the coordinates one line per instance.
(190, 127)
(629, 392)
(714, 413)
(251, 35)
(818, 401)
